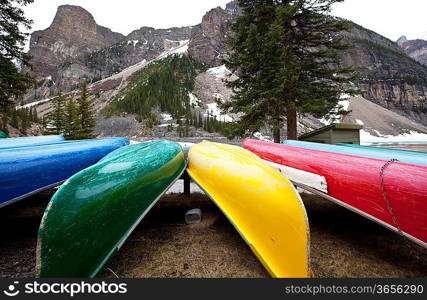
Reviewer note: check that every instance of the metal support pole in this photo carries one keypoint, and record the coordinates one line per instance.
(187, 181)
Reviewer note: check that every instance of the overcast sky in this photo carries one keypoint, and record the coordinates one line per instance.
(391, 18)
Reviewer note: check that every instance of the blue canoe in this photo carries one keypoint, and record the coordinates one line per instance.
(30, 141)
(385, 150)
(411, 157)
(29, 170)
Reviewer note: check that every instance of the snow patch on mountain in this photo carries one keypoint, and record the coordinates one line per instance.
(334, 116)
(166, 117)
(194, 101)
(133, 42)
(415, 137)
(214, 110)
(220, 72)
(32, 104)
(179, 50)
(218, 96)
(262, 137)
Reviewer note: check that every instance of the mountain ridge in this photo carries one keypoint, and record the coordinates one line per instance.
(73, 31)
(389, 76)
(417, 49)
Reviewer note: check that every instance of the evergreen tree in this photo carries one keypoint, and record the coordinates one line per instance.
(4, 122)
(15, 119)
(165, 84)
(200, 120)
(25, 121)
(13, 83)
(72, 125)
(56, 118)
(34, 116)
(86, 113)
(286, 55)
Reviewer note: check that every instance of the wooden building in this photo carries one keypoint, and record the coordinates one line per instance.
(339, 133)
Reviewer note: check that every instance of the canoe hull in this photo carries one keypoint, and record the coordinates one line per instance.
(94, 212)
(410, 157)
(28, 170)
(30, 141)
(261, 204)
(385, 150)
(356, 181)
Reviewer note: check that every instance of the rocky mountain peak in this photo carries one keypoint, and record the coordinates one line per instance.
(208, 40)
(72, 33)
(76, 14)
(401, 40)
(233, 8)
(417, 49)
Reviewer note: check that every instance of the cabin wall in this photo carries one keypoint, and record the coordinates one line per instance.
(336, 136)
(345, 137)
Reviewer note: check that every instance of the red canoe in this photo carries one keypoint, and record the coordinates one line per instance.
(393, 194)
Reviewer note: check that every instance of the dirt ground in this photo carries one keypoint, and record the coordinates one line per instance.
(343, 244)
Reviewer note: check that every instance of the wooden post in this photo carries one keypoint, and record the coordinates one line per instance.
(187, 183)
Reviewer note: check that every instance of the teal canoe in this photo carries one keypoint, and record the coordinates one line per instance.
(3, 135)
(93, 213)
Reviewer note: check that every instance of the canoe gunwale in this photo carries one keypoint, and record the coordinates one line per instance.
(318, 182)
(20, 198)
(361, 213)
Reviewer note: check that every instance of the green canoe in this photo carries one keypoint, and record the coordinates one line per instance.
(93, 213)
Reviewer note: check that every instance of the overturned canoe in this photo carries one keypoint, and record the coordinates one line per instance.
(93, 213)
(261, 204)
(391, 193)
(30, 141)
(387, 150)
(410, 157)
(25, 171)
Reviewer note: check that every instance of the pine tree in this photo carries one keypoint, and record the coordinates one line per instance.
(72, 128)
(13, 83)
(25, 121)
(56, 118)
(34, 116)
(86, 113)
(200, 120)
(286, 54)
(15, 120)
(4, 122)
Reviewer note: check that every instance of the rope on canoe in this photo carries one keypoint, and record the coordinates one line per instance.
(386, 199)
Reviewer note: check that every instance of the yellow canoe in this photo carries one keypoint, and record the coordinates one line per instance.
(261, 204)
